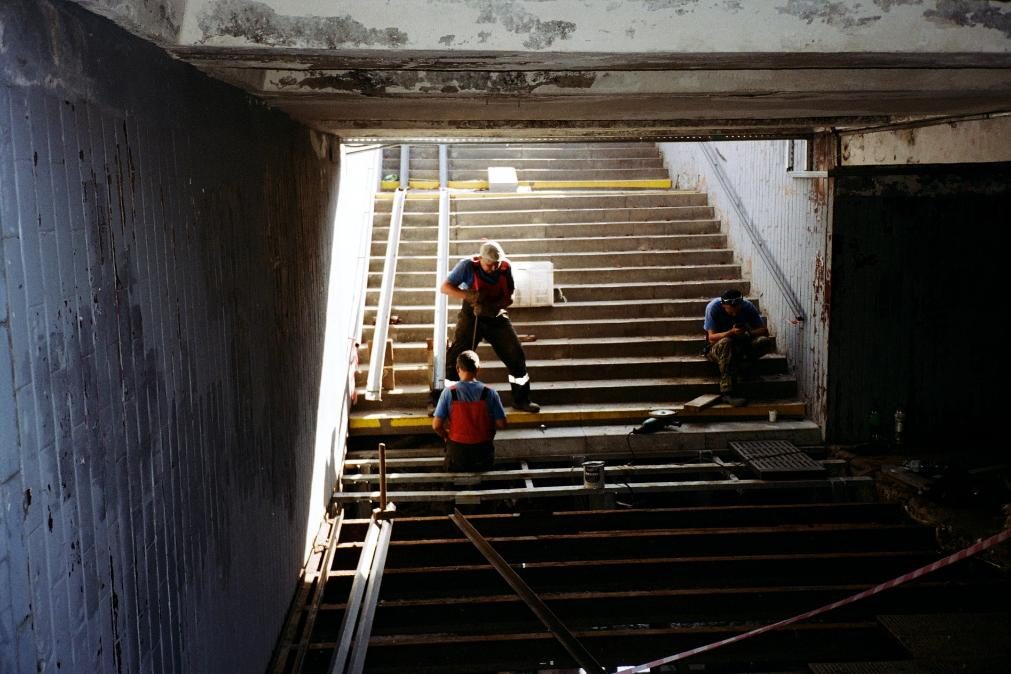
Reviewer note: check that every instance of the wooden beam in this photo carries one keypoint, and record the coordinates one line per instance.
(540, 609)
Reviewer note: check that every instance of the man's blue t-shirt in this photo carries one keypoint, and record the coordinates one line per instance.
(719, 320)
(469, 391)
(463, 274)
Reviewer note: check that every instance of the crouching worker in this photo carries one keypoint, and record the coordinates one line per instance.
(467, 416)
(736, 337)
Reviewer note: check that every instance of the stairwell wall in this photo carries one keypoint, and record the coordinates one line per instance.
(165, 242)
(920, 266)
(793, 219)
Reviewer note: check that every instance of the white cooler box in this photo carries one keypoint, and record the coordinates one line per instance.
(535, 284)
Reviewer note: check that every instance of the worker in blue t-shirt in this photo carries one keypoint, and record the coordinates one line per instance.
(467, 416)
(485, 284)
(736, 337)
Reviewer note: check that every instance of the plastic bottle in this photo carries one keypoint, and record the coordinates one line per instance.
(874, 424)
(900, 423)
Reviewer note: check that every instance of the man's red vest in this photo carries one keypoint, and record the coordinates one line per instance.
(470, 423)
(494, 295)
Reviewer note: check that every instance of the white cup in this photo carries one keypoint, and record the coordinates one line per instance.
(773, 415)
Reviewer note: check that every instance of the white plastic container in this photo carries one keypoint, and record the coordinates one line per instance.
(502, 179)
(535, 284)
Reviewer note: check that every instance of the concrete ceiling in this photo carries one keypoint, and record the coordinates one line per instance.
(593, 68)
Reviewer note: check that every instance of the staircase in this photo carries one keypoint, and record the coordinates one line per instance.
(545, 166)
(634, 269)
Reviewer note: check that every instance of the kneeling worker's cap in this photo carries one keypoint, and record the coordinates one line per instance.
(491, 251)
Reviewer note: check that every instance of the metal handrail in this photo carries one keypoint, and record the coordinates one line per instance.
(441, 263)
(756, 238)
(374, 387)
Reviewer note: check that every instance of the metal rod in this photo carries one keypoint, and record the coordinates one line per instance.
(405, 166)
(377, 359)
(358, 585)
(364, 631)
(441, 299)
(752, 231)
(540, 609)
(382, 476)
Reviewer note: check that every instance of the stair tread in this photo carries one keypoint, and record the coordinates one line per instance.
(535, 365)
(596, 383)
(589, 408)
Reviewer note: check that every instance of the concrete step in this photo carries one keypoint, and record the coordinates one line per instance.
(553, 216)
(579, 200)
(391, 155)
(569, 267)
(711, 266)
(566, 245)
(506, 232)
(588, 292)
(566, 215)
(538, 174)
(416, 202)
(577, 347)
(560, 230)
(592, 430)
(481, 201)
(575, 311)
(630, 328)
(459, 164)
(774, 387)
(583, 369)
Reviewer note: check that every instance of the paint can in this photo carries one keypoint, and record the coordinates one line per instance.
(593, 474)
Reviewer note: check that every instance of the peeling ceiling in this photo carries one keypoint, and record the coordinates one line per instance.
(593, 68)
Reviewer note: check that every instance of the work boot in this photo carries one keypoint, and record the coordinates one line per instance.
(733, 400)
(521, 398)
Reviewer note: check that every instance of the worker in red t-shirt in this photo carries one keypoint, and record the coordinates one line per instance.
(467, 416)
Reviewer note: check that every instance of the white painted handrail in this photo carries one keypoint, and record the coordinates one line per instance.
(441, 264)
(374, 387)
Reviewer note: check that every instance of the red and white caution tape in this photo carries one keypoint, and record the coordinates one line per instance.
(984, 544)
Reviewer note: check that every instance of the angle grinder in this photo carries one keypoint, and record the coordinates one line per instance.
(657, 420)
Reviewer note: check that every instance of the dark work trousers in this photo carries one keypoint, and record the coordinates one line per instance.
(464, 458)
(735, 355)
(497, 330)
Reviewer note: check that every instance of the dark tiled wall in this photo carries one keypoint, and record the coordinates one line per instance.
(164, 258)
(918, 298)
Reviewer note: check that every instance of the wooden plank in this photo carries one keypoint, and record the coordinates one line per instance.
(702, 402)
(527, 481)
(540, 609)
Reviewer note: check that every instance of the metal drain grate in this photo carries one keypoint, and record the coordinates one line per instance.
(776, 458)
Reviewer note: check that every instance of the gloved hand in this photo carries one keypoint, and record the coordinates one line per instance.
(474, 299)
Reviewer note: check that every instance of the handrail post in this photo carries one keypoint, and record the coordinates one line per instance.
(441, 265)
(374, 387)
(443, 166)
(405, 166)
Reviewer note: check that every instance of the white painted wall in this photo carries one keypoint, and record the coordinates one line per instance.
(359, 181)
(792, 216)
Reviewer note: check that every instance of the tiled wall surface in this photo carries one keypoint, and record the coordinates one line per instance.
(164, 244)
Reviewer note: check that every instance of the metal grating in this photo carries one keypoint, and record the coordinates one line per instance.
(776, 458)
